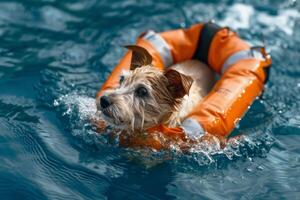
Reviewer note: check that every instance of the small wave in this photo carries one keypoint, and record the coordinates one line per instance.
(86, 106)
(80, 109)
(243, 16)
(238, 16)
(201, 155)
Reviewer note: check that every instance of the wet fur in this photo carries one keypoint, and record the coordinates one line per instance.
(133, 114)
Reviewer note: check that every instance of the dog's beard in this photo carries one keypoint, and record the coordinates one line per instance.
(112, 117)
(147, 113)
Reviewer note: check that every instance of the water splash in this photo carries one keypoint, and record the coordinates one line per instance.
(78, 110)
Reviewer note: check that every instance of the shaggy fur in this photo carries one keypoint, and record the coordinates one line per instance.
(171, 95)
(131, 112)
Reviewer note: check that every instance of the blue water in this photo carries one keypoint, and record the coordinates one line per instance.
(54, 56)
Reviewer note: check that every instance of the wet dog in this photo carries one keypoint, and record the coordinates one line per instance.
(148, 96)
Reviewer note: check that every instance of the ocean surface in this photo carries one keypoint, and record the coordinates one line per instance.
(55, 55)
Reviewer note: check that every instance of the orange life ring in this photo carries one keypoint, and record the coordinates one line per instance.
(243, 73)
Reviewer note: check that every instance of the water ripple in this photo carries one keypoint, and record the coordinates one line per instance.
(54, 55)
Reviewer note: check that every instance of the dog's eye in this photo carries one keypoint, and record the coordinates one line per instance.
(122, 79)
(141, 91)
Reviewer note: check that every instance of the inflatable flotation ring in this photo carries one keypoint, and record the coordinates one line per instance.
(243, 71)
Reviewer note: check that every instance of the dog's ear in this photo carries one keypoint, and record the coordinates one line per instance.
(140, 56)
(179, 84)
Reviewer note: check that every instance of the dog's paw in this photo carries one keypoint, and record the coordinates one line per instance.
(99, 124)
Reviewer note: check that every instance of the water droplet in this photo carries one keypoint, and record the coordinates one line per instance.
(260, 167)
(182, 25)
(55, 103)
(236, 122)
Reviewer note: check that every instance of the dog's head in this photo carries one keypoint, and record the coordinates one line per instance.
(146, 96)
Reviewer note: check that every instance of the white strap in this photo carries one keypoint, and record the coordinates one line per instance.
(161, 46)
(192, 128)
(240, 55)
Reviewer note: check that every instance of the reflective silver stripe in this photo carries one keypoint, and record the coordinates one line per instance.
(240, 55)
(161, 46)
(192, 128)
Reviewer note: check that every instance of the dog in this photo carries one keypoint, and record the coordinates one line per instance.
(147, 96)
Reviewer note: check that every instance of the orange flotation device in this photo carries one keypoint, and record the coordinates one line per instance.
(243, 71)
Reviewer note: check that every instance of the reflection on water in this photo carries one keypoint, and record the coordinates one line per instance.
(54, 55)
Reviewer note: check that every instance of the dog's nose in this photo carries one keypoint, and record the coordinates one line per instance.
(105, 102)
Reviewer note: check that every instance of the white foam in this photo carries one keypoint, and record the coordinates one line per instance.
(285, 21)
(243, 16)
(86, 105)
(238, 16)
(80, 109)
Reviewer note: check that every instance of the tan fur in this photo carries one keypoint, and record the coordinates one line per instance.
(131, 113)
